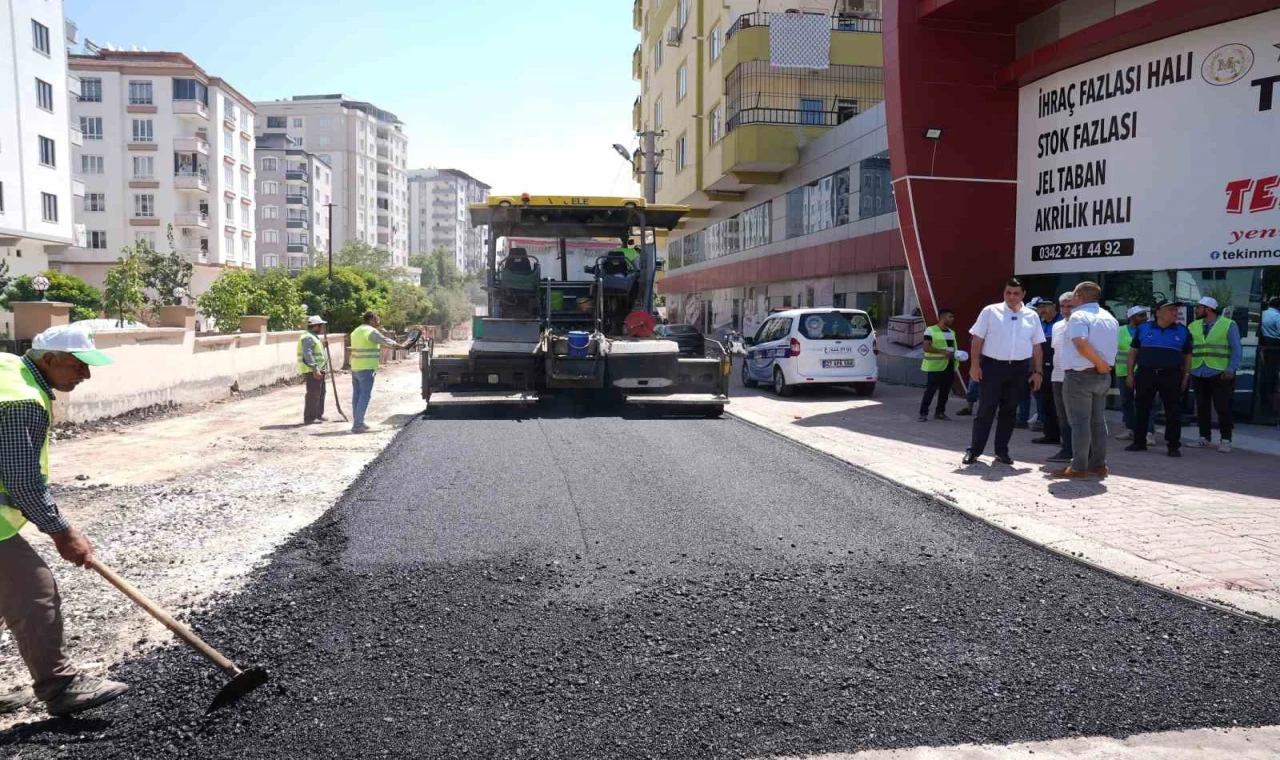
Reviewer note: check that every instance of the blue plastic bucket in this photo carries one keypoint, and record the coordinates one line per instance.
(579, 342)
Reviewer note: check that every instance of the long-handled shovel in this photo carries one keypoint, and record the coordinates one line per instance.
(242, 681)
(328, 366)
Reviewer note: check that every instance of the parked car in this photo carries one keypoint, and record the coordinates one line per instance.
(813, 347)
(687, 337)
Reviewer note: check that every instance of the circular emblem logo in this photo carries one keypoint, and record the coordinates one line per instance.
(1227, 64)
(814, 324)
(1214, 255)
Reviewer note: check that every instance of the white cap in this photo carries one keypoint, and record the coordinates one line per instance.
(962, 356)
(1212, 303)
(314, 320)
(73, 339)
(1135, 311)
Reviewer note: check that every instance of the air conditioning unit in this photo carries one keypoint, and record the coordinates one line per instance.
(674, 35)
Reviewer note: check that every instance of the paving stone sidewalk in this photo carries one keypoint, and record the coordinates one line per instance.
(1206, 525)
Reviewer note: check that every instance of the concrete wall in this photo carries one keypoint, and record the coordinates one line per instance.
(173, 366)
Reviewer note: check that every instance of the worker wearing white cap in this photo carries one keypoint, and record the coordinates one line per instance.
(1215, 358)
(311, 365)
(59, 360)
(1137, 315)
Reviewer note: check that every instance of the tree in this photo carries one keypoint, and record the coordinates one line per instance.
(125, 294)
(227, 299)
(163, 272)
(85, 300)
(447, 274)
(429, 278)
(452, 307)
(361, 255)
(407, 304)
(344, 300)
(276, 297)
(5, 279)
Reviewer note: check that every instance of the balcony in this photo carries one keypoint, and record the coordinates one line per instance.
(384, 222)
(77, 137)
(191, 144)
(229, 119)
(296, 175)
(384, 153)
(636, 65)
(868, 23)
(192, 109)
(77, 188)
(296, 247)
(637, 16)
(192, 219)
(384, 187)
(637, 122)
(194, 181)
(196, 250)
(73, 85)
(297, 224)
(297, 200)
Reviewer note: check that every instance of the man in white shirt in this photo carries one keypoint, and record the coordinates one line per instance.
(1066, 304)
(1005, 346)
(1086, 359)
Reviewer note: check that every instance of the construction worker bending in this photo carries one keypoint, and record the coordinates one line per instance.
(938, 364)
(311, 365)
(1215, 357)
(366, 350)
(59, 360)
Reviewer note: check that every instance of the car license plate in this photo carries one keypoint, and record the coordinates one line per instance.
(835, 363)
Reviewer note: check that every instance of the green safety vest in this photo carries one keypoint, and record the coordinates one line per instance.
(1122, 354)
(633, 257)
(17, 383)
(940, 340)
(318, 351)
(1212, 350)
(364, 352)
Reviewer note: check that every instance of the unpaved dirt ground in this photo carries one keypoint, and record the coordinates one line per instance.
(186, 505)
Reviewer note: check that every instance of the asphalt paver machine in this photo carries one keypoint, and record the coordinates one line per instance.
(564, 320)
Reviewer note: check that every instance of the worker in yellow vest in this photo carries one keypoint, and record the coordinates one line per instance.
(1216, 354)
(366, 351)
(938, 364)
(312, 362)
(1137, 316)
(59, 360)
(632, 254)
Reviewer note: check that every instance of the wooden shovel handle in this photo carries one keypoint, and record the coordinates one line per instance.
(154, 610)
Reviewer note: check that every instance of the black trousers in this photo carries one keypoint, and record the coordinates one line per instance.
(1216, 391)
(1165, 382)
(1002, 384)
(938, 383)
(1052, 429)
(314, 408)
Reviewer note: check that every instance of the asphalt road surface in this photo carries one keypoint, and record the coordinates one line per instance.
(602, 587)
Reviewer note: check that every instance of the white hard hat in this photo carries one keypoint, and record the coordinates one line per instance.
(1135, 311)
(1212, 303)
(962, 356)
(315, 319)
(73, 339)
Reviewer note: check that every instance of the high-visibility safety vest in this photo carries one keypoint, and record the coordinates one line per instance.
(1212, 350)
(364, 352)
(17, 383)
(1122, 355)
(317, 351)
(633, 257)
(940, 340)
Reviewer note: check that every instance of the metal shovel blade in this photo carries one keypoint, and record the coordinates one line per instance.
(237, 687)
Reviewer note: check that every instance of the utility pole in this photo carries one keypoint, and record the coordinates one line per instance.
(331, 241)
(651, 156)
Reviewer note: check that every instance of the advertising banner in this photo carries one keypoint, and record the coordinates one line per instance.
(1163, 156)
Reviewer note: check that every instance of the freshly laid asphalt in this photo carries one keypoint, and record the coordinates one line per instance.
(600, 587)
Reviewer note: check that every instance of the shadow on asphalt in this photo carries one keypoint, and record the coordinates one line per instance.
(293, 426)
(53, 730)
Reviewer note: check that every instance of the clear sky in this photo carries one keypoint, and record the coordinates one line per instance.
(527, 97)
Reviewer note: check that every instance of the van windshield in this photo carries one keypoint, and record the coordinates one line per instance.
(835, 325)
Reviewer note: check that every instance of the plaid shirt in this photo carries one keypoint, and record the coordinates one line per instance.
(23, 427)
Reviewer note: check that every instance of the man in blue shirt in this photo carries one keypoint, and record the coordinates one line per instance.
(1216, 357)
(1047, 308)
(1161, 355)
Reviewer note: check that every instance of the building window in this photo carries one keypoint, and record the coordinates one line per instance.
(140, 93)
(91, 126)
(190, 89)
(818, 206)
(270, 164)
(846, 109)
(875, 189)
(91, 164)
(143, 131)
(229, 143)
(297, 123)
(244, 183)
(717, 124)
(324, 141)
(245, 216)
(271, 236)
(298, 142)
(754, 224)
(657, 55)
(97, 240)
(270, 187)
(326, 122)
(657, 114)
(90, 90)
(715, 43)
(244, 151)
(44, 94)
(228, 178)
(228, 211)
(144, 206)
(144, 167)
(277, 122)
(95, 202)
(229, 245)
(682, 153)
(40, 36)
(270, 212)
(49, 207)
(682, 14)
(48, 156)
(810, 111)
(146, 238)
(682, 82)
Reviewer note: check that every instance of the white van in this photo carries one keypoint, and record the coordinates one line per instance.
(811, 347)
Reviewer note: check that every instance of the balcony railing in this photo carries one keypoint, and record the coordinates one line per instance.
(191, 218)
(191, 108)
(296, 247)
(191, 144)
(296, 224)
(186, 180)
(758, 93)
(297, 200)
(872, 24)
(297, 175)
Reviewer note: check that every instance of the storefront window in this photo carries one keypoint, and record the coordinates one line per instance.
(875, 189)
(819, 205)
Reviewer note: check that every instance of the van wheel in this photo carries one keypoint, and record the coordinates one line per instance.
(864, 389)
(780, 386)
(747, 380)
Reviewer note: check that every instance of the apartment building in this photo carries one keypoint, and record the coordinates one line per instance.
(36, 141)
(438, 201)
(165, 143)
(367, 151)
(295, 188)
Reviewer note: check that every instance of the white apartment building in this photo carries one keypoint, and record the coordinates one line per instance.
(367, 150)
(294, 191)
(438, 201)
(164, 144)
(36, 188)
